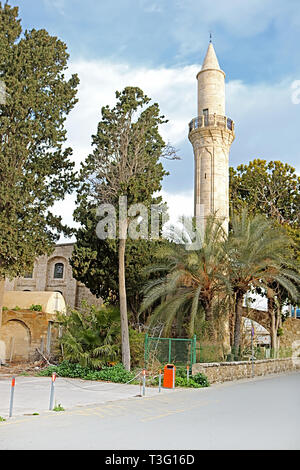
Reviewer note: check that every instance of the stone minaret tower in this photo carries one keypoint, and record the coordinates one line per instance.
(211, 135)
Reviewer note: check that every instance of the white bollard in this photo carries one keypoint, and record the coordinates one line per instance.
(52, 391)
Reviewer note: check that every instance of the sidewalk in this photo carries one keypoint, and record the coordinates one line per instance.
(32, 394)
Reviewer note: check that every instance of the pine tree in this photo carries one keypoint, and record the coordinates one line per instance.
(35, 165)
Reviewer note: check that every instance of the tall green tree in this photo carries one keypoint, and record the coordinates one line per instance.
(35, 165)
(125, 163)
(258, 254)
(271, 189)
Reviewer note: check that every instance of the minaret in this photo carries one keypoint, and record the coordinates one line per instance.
(211, 134)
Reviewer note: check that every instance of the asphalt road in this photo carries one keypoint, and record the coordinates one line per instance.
(261, 413)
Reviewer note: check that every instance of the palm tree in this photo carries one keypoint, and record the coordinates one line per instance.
(91, 336)
(192, 280)
(258, 255)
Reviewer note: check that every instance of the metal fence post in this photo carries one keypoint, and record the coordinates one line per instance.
(52, 391)
(144, 382)
(12, 391)
(146, 350)
(252, 349)
(194, 350)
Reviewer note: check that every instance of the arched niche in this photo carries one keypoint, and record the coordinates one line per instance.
(16, 338)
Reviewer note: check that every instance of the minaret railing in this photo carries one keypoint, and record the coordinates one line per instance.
(212, 120)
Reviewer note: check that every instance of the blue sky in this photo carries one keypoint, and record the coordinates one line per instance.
(159, 45)
(256, 40)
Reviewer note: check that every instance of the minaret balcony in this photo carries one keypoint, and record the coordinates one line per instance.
(212, 120)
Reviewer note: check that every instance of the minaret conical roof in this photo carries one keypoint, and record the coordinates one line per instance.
(211, 60)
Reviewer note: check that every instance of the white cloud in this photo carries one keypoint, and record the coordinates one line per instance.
(239, 18)
(267, 122)
(262, 112)
(179, 204)
(174, 90)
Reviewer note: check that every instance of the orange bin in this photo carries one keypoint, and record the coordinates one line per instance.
(169, 376)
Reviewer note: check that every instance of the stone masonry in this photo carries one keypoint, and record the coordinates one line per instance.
(54, 273)
(218, 372)
(211, 135)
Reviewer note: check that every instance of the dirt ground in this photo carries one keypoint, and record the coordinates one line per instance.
(18, 368)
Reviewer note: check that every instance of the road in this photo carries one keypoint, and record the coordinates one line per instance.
(260, 413)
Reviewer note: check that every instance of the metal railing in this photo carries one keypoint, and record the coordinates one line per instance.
(178, 351)
(211, 120)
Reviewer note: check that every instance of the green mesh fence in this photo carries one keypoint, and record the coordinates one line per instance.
(161, 351)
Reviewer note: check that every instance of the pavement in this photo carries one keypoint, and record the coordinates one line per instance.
(32, 394)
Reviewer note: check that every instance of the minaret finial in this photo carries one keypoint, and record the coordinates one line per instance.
(210, 37)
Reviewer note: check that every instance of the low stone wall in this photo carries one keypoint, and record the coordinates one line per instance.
(217, 372)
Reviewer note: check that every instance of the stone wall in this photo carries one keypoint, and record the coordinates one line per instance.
(291, 333)
(224, 371)
(23, 332)
(43, 278)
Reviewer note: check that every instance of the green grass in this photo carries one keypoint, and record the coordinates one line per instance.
(58, 408)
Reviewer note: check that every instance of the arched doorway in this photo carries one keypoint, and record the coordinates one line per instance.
(16, 338)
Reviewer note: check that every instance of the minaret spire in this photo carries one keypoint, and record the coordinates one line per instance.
(210, 60)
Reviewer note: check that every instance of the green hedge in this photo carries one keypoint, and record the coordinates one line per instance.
(118, 374)
(115, 373)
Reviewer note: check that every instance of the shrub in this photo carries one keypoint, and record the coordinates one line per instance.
(195, 381)
(91, 336)
(36, 308)
(115, 373)
(137, 347)
(201, 379)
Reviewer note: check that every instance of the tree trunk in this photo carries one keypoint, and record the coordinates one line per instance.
(273, 334)
(2, 282)
(278, 325)
(237, 323)
(123, 306)
(210, 321)
(273, 329)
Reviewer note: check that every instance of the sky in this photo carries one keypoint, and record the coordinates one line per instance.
(159, 46)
